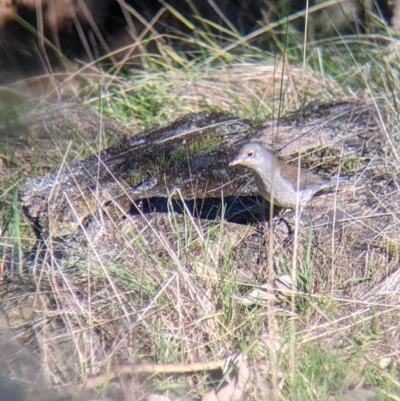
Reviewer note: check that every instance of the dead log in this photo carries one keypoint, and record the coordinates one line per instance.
(188, 160)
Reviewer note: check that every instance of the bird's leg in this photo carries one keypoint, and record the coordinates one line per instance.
(293, 231)
(279, 218)
(298, 213)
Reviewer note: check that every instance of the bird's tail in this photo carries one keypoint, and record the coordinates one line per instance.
(335, 181)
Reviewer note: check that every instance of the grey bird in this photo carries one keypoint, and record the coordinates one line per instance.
(272, 174)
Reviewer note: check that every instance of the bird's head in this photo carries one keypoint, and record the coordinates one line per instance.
(254, 156)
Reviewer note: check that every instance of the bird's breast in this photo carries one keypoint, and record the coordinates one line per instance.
(284, 194)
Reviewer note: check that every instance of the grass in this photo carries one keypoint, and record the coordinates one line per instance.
(138, 294)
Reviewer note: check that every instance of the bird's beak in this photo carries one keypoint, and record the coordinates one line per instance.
(235, 161)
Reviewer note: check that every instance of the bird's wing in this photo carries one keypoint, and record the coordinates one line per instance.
(307, 178)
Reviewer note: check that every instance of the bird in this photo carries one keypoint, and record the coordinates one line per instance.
(290, 186)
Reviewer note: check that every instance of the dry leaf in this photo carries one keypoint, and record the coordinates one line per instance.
(282, 286)
(285, 284)
(234, 390)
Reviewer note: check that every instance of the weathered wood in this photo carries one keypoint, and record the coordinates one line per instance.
(188, 159)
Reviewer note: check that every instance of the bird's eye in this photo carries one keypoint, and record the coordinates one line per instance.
(250, 154)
